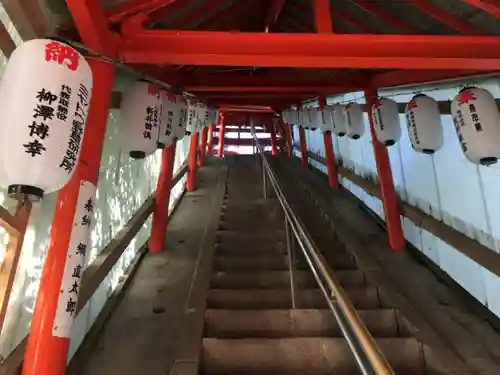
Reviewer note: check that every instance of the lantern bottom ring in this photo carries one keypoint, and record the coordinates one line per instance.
(160, 145)
(355, 136)
(33, 193)
(488, 161)
(389, 143)
(428, 151)
(341, 134)
(137, 154)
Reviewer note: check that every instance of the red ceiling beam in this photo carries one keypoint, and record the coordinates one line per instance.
(455, 23)
(490, 6)
(414, 77)
(273, 13)
(129, 8)
(351, 21)
(263, 109)
(267, 89)
(228, 15)
(312, 50)
(197, 14)
(323, 16)
(397, 23)
(92, 25)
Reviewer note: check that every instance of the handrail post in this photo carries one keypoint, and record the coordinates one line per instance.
(55, 309)
(203, 147)
(290, 249)
(163, 189)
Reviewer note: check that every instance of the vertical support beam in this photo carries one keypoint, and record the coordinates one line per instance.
(274, 143)
(289, 135)
(387, 190)
(222, 132)
(203, 146)
(192, 166)
(210, 145)
(163, 189)
(46, 354)
(303, 147)
(323, 16)
(330, 156)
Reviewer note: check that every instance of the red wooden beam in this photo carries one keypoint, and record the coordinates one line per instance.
(120, 12)
(197, 14)
(92, 25)
(229, 14)
(455, 23)
(414, 77)
(323, 16)
(312, 50)
(374, 10)
(273, 13)
(353, 22)
(490, 6)
(310, 89)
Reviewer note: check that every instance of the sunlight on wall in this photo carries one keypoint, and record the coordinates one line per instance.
(445, 185)
(124, 185)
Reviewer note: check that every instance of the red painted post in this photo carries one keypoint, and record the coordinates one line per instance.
(274, 144)
(289, 132)
(303, 147)
(387, 190)
(330, 156)
(192, 166)
(47, 351)
(203, 146)
(221, 137)
(163, 189)
(210, 145)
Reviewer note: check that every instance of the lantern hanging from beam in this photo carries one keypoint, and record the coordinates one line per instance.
(315, 118)
(304, 118)
(169, 115)
(180, 117)
(354, 120)
(338, 120)
(140, 109)
(326, 119)
(386, 122)
(45, 94)
(191, 121)
(424, 124)
(477, 123)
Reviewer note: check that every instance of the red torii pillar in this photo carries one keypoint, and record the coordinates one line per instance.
(192, 165)
(163, 189)
(222, 131)
(303, 141)
(210, 139)
(330, 156)
(387, 190)
(203, 146)
(274, 144)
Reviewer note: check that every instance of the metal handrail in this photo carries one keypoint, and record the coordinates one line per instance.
(368, 355)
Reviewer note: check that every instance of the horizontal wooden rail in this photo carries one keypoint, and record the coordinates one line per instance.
(469, 247)
(99, 269)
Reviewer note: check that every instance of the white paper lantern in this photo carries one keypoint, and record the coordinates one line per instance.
(191, 122)
(354, 120)
(316, 118)
(170, 115)
(140, 109)
(326, 122)
(285, 115)
(338, 120)
(180, 117)
(385, 117)
(304, 119)
(424, 124)
(45, 93)
(477, 122)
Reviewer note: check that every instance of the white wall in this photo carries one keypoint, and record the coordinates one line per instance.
(445, 185)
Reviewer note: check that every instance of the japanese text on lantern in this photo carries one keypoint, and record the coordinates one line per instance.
(148, 122)
(69, 160)
(39, 129)
(62, 54)
(170, 120)
(75, 261)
